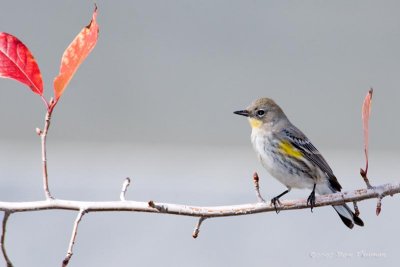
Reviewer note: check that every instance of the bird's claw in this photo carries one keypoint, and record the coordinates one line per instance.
(274, 202)
(311, 200)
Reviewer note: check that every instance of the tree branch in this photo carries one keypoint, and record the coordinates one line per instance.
(3, 238)
(73, 237)
(125, 185)
(43, 137)
(378, 192)
(198, 211)
(197, 227)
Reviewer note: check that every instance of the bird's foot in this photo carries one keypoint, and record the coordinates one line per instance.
(276, 202)
(311, 200)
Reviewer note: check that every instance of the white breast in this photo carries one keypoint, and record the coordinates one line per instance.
(261, 141)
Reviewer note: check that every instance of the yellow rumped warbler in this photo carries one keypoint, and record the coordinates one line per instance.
(290, 157)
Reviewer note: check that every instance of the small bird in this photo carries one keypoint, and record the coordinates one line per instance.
(290, 157)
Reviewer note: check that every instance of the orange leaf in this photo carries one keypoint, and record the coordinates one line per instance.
(75, 54)
(18, 63)
(366, 110)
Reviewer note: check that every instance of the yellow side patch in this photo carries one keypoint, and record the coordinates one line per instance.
(255, 123)
(288, 149)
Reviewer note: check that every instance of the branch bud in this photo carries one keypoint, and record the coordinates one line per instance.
(38, 131)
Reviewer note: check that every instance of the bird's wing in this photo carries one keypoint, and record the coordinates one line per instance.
(301, 142)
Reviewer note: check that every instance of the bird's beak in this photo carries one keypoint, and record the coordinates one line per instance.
(242, 112)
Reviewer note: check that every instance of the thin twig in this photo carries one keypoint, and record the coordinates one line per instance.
(379, 206)
(365, 177)
(3, 238)
(125, 185)
(256, 181)
(197, 227)
(73, 237)
(356, 210)
(43, 137)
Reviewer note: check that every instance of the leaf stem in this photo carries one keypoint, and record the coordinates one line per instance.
(45, 102)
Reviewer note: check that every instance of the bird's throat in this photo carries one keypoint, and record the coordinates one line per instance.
(254, 123)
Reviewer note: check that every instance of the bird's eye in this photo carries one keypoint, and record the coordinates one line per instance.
(260, 113)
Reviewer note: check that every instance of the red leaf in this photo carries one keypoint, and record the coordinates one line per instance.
(75, 54)
(366, 110)
(18, 63)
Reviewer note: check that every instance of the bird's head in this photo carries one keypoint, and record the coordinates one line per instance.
(263, 112)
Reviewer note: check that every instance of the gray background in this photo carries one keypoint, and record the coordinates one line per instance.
(154, 101)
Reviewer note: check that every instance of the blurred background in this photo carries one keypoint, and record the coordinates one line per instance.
(154, 102)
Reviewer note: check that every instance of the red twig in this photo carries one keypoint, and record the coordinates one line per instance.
(256, 181)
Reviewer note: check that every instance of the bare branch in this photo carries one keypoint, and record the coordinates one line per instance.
(125, 185)
(73, 237)
(197, 228)
(3, 238)
(256, 181)
(43, 136)
(198, 211)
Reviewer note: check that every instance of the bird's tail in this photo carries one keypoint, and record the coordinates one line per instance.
(347, 215)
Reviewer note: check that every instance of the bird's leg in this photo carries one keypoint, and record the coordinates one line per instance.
(311, 198)
(275, 200)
